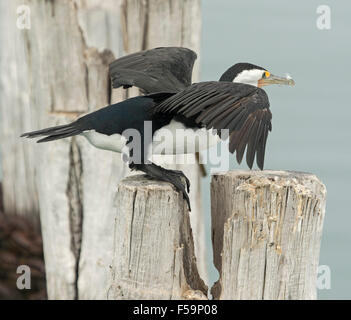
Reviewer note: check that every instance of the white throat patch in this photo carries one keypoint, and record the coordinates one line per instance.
(249, 77)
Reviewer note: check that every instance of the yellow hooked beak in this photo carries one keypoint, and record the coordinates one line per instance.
(272, 79)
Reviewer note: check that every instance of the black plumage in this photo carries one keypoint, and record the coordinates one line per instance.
(113, 119)
(164, 76)
(236, 69)
(161, 69)
(240, 108)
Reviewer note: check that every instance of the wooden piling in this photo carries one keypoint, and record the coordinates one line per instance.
(153, 255)
(266, 234)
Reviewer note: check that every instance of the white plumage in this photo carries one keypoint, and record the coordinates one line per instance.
(173, 138)
(249, 77)
(114, 142)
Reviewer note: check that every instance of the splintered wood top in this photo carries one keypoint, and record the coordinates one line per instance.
(142, 180)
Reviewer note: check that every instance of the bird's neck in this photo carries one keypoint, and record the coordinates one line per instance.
(228, 75)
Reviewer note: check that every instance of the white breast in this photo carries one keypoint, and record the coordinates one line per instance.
(114, 142)
(175, 138)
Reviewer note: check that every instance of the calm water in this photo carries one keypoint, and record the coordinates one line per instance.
(311, 121)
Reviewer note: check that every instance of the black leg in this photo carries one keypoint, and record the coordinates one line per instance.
(172, 176)
(177, 173)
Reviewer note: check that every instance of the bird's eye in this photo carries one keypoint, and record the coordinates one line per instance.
(266, 74)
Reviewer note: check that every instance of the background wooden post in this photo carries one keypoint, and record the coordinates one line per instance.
(53, 72)
(154, 254)
(156, 23)
(266, 234)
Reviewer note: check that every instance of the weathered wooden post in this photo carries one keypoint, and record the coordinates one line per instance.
(266, 233)
(55, 68)
(154, 254)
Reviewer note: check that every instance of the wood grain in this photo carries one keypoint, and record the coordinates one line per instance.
(154, 254)
(53, 73)
(266, 234)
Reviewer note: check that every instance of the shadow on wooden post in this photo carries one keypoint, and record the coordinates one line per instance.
(266, 234)
(153, 244)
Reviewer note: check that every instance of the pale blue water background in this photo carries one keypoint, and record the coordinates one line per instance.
(311, 121)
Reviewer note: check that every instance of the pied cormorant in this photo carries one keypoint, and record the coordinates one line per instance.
(236, 102)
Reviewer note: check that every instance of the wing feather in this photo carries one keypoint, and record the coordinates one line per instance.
(164, 69)
(250, 152)
(213, 113)
(240, 108)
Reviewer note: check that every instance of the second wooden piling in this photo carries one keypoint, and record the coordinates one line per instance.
(266, 234)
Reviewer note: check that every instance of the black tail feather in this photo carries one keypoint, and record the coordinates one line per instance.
(47, 131)
(59, 136)
(54, 133)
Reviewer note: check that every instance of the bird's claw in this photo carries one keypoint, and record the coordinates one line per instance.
(175, 177)
(187, 181)
(185, 195)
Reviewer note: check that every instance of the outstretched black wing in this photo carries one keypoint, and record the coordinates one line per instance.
(241, 108)
(167, 69)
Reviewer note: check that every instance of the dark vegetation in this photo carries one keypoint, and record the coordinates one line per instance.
(20, 244)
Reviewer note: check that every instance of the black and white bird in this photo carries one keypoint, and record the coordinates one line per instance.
(170, 102)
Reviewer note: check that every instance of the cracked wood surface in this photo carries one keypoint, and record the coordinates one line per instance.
(154, 23)
(266, 234)
(154, 254)
(52, 73)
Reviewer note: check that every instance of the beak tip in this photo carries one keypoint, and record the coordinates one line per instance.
(290, 80)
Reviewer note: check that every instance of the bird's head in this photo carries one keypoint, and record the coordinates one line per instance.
(254, 75)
